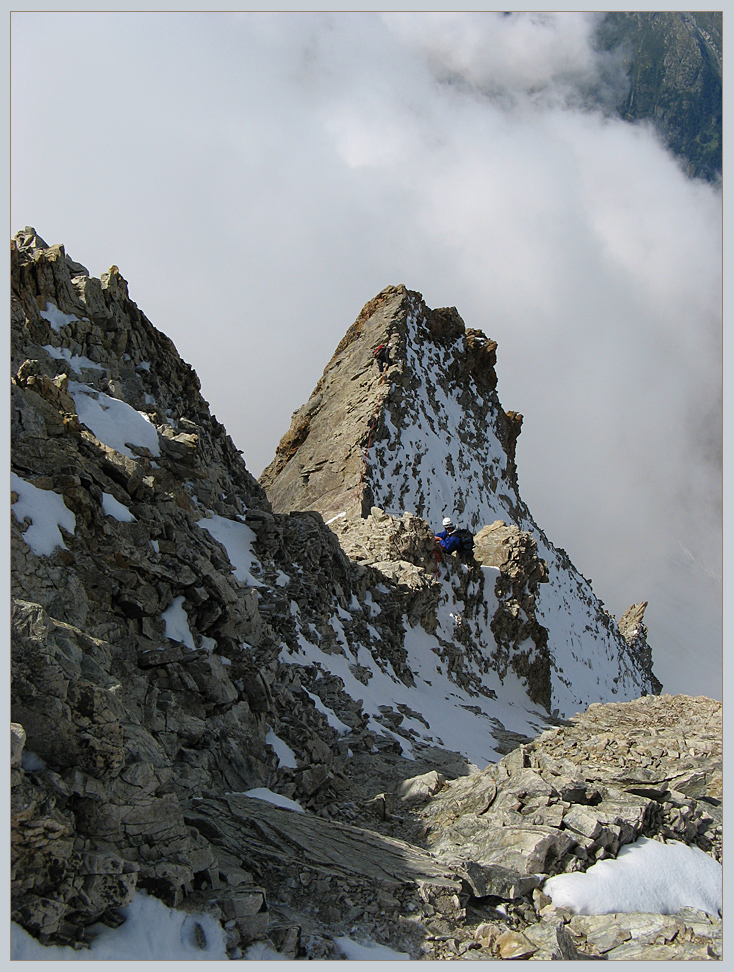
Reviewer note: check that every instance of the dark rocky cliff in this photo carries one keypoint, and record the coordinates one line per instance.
(674, 70)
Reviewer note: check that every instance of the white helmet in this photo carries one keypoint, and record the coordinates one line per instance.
(448, 522)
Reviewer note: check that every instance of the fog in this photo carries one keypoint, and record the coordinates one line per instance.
(258, 178)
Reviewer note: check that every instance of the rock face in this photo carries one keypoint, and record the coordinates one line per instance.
(429, 437)
(178, 644)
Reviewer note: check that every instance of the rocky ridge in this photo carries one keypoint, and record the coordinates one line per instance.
(176, 644)
(429, 437)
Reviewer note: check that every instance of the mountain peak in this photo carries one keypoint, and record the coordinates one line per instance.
(333, 456)
(422, 434)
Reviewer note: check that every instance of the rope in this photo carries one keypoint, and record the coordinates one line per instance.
(437, 558)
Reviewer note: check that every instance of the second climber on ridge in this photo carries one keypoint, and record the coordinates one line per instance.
(382, 356)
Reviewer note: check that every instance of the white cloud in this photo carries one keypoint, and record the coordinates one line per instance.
(548, 57)
(259, 177)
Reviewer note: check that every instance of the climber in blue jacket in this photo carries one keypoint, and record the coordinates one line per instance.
(448, 537)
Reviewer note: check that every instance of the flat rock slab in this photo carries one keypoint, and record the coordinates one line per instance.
(250, 827)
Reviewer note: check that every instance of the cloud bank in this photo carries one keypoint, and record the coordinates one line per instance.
(259, 177)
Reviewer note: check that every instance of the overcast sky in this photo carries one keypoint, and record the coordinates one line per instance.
(258, 178)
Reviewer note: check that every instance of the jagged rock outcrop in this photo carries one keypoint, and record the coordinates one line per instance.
(574, 796)
(176, 644)
(456, 869)
(333, 466)
(516, 629)
(319, 463)
(143, 666)
(426, 437)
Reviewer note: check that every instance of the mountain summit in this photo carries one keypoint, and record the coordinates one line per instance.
(428, 436)
(392, 437)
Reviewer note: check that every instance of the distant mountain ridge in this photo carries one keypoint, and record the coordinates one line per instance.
(673, 62)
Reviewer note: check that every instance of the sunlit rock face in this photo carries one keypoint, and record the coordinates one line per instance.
(185, 652)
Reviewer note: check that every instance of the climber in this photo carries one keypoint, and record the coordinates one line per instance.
(448, 537)
(452, 539)
(382, 356)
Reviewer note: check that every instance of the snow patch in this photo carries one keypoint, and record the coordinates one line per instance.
(369, 951)
(114, 508)
(46, 511)
(286, 756)
(115, 423)
(177, 623)
(151, 932)
(31, 762)
(75, 361)
(56, 318)
(331, 717)
(374, 607)
(237, 539)
(457, 719)
(262, 952)
(277, 799)
(646, 876)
